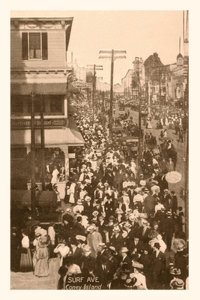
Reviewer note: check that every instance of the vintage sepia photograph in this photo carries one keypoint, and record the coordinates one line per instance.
(99, 156)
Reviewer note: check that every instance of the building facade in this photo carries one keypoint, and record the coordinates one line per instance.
(40, 73)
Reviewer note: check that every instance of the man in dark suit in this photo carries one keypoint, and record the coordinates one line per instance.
(145, 229)
(149, 204)
(76, 253)
(125, 262)
(135, 245)
(174, 202)
(88, 261)
(102, 271)
(168, 229)
(131, 195)
(167, 200)
(117, 239)
(88, 207)
(157, 266)
(78, 227)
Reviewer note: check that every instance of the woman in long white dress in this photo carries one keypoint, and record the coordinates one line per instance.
(71, 193)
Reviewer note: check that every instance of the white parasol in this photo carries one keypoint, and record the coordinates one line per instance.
(173, 177)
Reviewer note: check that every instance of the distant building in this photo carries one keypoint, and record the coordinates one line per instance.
(117, 88)
(102, 86)
(127, 84)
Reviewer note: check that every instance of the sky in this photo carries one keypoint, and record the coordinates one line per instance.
(139, 33)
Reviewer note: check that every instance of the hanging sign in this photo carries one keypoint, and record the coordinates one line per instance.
(48, 123)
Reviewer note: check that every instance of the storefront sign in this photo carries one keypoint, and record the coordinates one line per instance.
(72, 155)
(83, 283)
(48, 123)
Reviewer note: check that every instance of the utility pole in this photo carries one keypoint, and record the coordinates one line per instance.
(95, 67)
(140, 127)
(113, 55)
(111, 95)
(33, 153)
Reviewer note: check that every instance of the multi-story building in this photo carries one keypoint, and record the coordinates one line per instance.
(127, 84)
(40, 73)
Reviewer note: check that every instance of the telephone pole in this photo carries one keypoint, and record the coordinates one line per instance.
(113, 55)
(95, 67)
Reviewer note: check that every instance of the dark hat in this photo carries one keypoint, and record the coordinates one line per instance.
(73, 241)
(68, 218)
(175, 271)
(130, 282)
(157, 246)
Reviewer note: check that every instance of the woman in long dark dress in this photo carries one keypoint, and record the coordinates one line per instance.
(26, 264)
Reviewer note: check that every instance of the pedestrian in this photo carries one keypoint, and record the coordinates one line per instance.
(158, 265)
(52, 234)
(94, 238)
(140, 282)
(42, 257)
(26, 264)
(176, 283)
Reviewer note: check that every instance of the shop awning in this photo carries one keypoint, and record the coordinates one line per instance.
(53, 137)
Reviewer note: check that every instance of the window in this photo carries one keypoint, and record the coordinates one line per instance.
(56, 104)
(16, 105)
(34, 45)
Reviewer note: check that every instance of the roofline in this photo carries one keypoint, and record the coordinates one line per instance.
(127, 73)
(42, 19)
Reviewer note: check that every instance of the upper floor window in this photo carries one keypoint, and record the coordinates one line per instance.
(34, 45)
(16, 105)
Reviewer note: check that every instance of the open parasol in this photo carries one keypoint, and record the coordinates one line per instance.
(173, 177)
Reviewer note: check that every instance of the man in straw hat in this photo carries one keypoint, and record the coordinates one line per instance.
(94, 238)
(116, 239)
(125, 259)
(88, 263)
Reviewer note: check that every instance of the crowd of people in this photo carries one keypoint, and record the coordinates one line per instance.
(122, 224)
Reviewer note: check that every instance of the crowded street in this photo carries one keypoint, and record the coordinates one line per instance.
(109, 205)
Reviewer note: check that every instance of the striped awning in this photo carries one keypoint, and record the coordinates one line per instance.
(39, 88)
